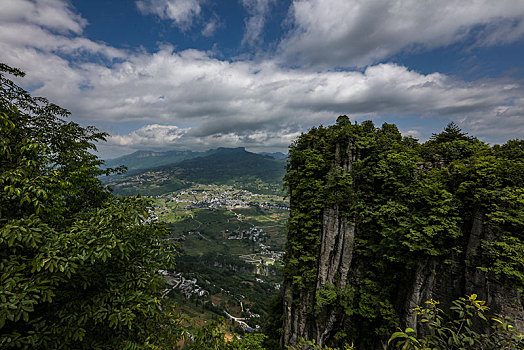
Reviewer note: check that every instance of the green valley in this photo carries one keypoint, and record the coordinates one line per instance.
(231, 244)
(223, 166)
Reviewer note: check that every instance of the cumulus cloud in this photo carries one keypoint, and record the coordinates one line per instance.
(30, 35)
(46, 28)
(181, 12)
(257, 10)
(349, 33)
(155, 136)
(246, 102)
(194, 100)
(56, 15)
(413, 133)
(150, 135)
(500, 124)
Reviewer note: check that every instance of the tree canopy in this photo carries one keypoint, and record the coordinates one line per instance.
(79, 267)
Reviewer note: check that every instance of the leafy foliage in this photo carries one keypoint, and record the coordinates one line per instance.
(460, 329)
(311, 345)
(78, 266)
(211, 336)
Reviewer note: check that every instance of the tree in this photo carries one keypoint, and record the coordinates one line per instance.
(79, 267)
(460, 331)
(212, 336)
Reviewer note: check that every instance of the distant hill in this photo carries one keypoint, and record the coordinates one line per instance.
(151, 159)
(234, 166)
(226, 164)
(276, 155)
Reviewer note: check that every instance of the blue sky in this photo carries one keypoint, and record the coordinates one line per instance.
(199, 74)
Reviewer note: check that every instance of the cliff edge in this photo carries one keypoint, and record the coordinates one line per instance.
(380, 223)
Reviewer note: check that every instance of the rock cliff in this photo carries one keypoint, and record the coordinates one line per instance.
(381, 247)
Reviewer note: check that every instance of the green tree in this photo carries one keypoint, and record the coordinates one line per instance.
(79, 267)
(212, 336)
(459, 329)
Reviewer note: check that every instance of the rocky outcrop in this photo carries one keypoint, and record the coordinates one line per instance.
(302, 318)
(392, 234)
(336, 250)
(297, 317)
(334, 263)
(418, 291)
(432, 279)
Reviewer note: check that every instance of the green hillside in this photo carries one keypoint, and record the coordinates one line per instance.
(226, 164)
(232, 166)
(151, 159)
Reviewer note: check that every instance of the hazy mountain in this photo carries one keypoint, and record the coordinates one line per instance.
(248, 170)
(151, 159)
(276, 155)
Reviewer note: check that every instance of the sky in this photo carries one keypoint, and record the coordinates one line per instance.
(201, 74)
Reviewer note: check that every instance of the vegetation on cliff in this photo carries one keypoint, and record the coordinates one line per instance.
(417, 218)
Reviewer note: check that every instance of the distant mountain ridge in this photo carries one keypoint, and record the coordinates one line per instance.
(224, 164)
(276, 155)
(234, 166)
(151, 159)
(145, 159)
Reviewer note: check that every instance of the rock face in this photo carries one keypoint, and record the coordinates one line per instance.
(432, 279)
(341, 270)
(333, 269)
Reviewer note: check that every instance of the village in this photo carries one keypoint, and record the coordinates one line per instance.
(214, 197)
(188, 287)
(226, 197)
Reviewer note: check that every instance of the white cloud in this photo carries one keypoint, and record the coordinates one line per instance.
(56, 15)
(257, 10)
(181, 12)
(413, 133)
(192, 99)
(43, 29)
(241, 102)
(499, 124)
(150, 135)
(30, 35)
(346, 33)
(155, 136)
(211, 26)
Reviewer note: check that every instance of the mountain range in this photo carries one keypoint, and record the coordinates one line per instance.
(155, 173)
(145, 159)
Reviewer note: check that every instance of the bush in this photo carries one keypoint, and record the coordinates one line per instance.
(459, 330)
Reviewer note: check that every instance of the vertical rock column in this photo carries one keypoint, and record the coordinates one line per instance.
(302, 319)
(335, 257)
